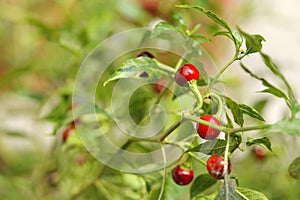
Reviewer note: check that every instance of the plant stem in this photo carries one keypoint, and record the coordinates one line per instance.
(180, 61)
(197, 158)
(194, 88)
(200, 121)
(249, 128)
(161, 195)
(225, 129)
(165, 89)
(165, 68)
(220, 105)
(170, 130)
(221, 71)
(226, 162)
(163, 92)
(87, 185)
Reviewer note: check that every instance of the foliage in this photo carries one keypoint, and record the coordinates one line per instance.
(69, 170)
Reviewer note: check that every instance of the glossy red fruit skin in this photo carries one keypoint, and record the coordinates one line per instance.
(145, 53)
(186, 73)
(259, 152)
(68, 132)
(207, 132)
(182, 176)
(215, 166)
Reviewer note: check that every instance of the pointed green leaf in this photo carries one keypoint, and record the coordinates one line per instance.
(223, 33)
(13, 133)
(200, 184)
(233, 36)
(269, 63)
(235, 110)
(141, 67)
(209, 14)
(194, 29)
(59, 111)
(217, 20)
(229, 121)
(294, 168)
(228, 192)
(163, 28)
(276, 92)
(238, 38)
(249, 194)
(260, 104)
(260, 141)
(200, 38)
(217, 146)
(181, 23)
(253, 42)
(270, 88)
(248, 110)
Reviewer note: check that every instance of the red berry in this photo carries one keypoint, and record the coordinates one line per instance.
(160, 84)
(186, 73)
(207, 132)
(68, 132)
(259, 152)
(150, 6)
(182, 176)
(215, 166)
(145, 53)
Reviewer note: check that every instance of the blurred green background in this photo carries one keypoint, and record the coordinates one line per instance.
(42, 46)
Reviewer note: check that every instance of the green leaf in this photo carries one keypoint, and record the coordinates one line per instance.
(181, 23)
(235, 110)
(209, 14)
(211, 197)
(70, 46)
(14, 73)
(253, 42)
(162, 30)
(270, 88)
(200, 184)
(248, 110)
(223, 33)
(139, 104)
(260, 141)
(13, 133)
(217, 146)
(59, 112)
(271, 65)
(194, 29)
(249, 194)
(234, 35)
(217, 20)
(238, 38)
(229, 121)
(288, 126)
(259, 105)
(275, 91)
(200, 38)
(140, 68)
(227, 191)
(294, 168)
